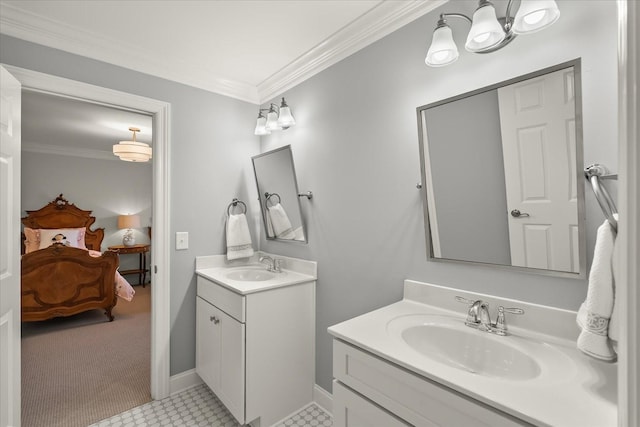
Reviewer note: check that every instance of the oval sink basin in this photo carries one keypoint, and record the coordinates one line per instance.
(251, 275)
(472, 351)
(447, 340)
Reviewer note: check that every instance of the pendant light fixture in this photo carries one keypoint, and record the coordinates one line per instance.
(132, 151)
(277, 118)
(489, 33)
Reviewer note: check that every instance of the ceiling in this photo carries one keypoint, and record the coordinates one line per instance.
(250, 50)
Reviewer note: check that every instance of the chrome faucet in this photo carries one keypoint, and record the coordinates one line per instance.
(478, 316)
(273, 265)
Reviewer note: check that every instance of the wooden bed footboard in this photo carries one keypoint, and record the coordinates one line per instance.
(62, 281)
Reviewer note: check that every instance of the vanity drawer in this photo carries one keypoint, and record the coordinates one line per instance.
(350, 409)
(226, 300)
(411, 397)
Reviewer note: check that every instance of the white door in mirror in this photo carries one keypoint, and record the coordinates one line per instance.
(537, 121)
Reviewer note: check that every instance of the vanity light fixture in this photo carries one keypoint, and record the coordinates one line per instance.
(277, 118)
(489, 33)
(132, 151)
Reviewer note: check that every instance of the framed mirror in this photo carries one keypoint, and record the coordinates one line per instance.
(502, 174)
(278, 193)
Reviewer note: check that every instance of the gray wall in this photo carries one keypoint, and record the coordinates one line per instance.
(467, 170)
(212, 141)
(355, 146)
(106, 187)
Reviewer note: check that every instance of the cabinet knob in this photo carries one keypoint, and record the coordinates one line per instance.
(214, 319)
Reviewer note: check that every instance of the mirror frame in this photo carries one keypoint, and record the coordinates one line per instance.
(580, 190)
(297, 190)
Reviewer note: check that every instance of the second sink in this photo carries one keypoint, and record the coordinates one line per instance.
(250, 274)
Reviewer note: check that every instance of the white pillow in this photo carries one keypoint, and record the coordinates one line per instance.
(73, 237)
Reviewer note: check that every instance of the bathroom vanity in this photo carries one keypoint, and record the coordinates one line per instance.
(255, 332)
(416, 363)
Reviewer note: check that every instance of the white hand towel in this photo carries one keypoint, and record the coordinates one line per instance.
(595, 313)
(238, 237)
(280, 222)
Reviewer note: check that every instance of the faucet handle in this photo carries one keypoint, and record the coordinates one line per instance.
(501, 324)
(277, 265)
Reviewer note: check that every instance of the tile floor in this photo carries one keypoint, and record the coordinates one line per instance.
(199, 407)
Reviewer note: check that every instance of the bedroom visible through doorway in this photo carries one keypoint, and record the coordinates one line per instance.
(67, 148)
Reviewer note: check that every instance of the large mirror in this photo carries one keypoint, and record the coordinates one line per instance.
(501, 168)
(278, 193)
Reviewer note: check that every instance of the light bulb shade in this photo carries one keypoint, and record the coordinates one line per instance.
(272, 121)
(132, 151)
(261, 126)
(285, 119)
(486, 31)
(535, 15)
(443, 50)
(128, 221)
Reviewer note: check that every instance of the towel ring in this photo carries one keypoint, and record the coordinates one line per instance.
(233, 204)
(270, 195)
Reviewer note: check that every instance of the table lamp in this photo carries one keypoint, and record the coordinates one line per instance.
(128, 222)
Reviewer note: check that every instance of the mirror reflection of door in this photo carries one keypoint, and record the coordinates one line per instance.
(537, 121)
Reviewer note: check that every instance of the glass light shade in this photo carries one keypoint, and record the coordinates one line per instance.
(261, 126)
(485, 31)
(132, 151)
(443, 50)
(535, 15)
(272, 121)
(285, 119)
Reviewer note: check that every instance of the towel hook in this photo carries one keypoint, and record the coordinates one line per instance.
(233, 204)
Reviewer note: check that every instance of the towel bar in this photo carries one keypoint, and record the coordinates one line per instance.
(594, 173)
(234, 203)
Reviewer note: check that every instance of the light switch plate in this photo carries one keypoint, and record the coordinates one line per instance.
(182, 240)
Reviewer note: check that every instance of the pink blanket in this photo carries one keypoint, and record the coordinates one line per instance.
(123, 289)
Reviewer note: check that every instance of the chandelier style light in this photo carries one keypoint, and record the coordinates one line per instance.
(489, 33)
(277, 118)
(132, 151)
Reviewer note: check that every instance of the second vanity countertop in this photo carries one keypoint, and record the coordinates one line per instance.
(217, 268)
(574, 390)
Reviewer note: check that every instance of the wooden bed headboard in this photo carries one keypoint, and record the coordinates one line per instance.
(61, 214)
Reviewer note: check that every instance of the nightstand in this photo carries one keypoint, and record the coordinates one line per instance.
(141, 250)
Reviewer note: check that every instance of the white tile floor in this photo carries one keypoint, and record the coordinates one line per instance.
(199, 407)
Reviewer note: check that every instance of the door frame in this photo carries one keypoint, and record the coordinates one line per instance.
(628, 244)
(160, 268)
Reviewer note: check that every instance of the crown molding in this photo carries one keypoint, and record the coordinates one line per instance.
(58, 150)
(380, 21)
(16, 22)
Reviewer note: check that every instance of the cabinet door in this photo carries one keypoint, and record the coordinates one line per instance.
(352, 410)
(208, 344)
(232, 362)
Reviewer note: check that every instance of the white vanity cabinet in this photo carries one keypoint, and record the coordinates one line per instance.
(255, 350)
(370, 391)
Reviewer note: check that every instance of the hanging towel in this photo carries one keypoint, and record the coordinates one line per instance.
(594, 316)
(280, 222)
(238, 237)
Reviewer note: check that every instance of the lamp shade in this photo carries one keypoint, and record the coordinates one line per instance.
(535, 15)
(128, 221)
(272, 120)
(285, 118)
(486, 31)
(443, 50)
(261, 126)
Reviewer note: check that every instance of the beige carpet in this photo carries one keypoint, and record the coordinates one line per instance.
(82, 369)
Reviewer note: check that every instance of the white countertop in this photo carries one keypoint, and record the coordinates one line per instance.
(217, 268)
(576, 391)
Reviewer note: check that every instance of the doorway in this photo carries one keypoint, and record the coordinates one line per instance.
(160, 318)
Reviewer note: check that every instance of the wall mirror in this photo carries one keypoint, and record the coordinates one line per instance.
(502, 174)
(278, 193)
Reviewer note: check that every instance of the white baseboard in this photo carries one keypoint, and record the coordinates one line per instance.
(323, 399)
(183, 381)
